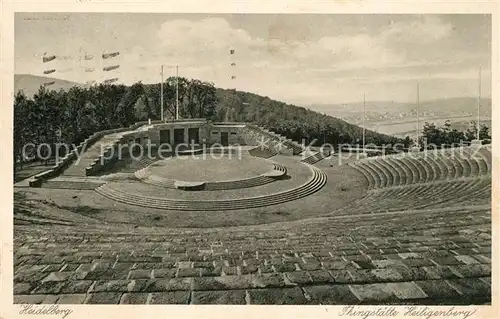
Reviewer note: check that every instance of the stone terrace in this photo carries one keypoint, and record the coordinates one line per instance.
(423, 257)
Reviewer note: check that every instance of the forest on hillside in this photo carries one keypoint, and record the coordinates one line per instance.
(69, 116)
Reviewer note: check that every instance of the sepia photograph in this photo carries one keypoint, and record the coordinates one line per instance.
(252, 159)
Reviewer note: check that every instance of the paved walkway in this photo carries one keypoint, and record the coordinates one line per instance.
(428, 257)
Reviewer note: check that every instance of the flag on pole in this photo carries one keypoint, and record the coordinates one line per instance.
(48, 58)
(231, 51)
(110, 55)
(108, 81)
(49, 83)
(110, 68)
(233, 64)
(233, 77)
(49, 71)
(88, 56)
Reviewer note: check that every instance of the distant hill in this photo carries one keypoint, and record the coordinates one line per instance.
(30, 84)
(379, 111)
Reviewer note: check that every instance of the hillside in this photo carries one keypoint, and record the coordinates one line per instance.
(30, 84)
(293, 121)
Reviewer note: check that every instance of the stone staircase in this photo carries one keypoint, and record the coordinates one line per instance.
(314, 158)
(256, 131)
(91, 154)
(263, 152)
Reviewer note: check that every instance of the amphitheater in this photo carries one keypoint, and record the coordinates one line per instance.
(242, 215)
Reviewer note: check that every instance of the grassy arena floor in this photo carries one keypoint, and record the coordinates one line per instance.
(197, 168)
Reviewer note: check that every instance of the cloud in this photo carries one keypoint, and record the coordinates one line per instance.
(296, 69)
(424, 30)
(208, 41)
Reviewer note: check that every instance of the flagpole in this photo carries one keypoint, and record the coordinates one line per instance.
(478, 103)
(161, 94)
(176, 92)
(418, 119)
(364, 115)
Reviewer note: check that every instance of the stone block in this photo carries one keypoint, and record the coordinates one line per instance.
(134, 298)
(277, 296)
(140, 274)
(331, 295)
(438, 289)
(104, 298)
(231, 297)
(321, 277)
(341, 276)
(299, 277)
(164, 273)
(229, 271)
(188, 272)
(30, 299)
(76, 287)
(49, 287)
(159, 285)
(209, 272)
(111, 286)
(472, 270)
(71, 299)
(171, 297)
(285, 267)
(407, 290)
(373, 293)
(22, 288)
(471, 287)
(438, 272)
(249, 270)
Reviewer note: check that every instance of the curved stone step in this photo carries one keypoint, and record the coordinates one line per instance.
(415, 171)
(377, 168)
(418, 168)
(392, 172)
(412, 177)
(317, 181)
(440, 170)
(404, 172)
(363, 168)
(367, 174)
(430, 170)
(451, 170)
(485, 153)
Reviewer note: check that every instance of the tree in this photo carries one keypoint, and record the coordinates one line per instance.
(471, 133)
(21, 134)
(131, 95)
(49, 119)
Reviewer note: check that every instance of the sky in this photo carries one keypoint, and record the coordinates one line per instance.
(296, 58)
